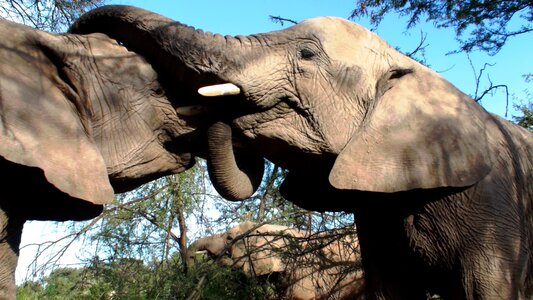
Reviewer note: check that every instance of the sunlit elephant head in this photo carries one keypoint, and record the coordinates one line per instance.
(303, 265)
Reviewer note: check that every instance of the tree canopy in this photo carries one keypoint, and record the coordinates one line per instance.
(526, 119)
(479, 24)
(49, 15)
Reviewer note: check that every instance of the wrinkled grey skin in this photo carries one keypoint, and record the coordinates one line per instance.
(193, 68)
(441, 189)
(301, 264)
(80, 118)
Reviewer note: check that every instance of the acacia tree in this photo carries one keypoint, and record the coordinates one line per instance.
(526, 119)
(478, 24)
(49, 15)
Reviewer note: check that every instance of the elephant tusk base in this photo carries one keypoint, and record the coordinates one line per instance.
(225, 89)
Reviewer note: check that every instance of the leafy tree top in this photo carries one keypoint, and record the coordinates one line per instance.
(526, 119)
(485, 23)
(49, 15)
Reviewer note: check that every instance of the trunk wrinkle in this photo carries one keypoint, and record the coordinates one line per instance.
(172, 47)
(235, 176)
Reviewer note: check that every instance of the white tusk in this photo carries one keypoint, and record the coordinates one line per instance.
(201, 252)
(190, 111)
(225, 89)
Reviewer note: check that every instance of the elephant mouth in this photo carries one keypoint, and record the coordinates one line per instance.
(227, 100)
(235, 170)
(248, 109)
(239, 140)
(222, 258)
(256, 121)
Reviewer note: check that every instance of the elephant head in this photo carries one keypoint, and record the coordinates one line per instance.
(82, 117)
(302, 265)
(248, 246)
(332, 94)
(195, 60)
(325, 92)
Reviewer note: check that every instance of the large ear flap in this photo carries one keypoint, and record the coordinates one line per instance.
(420, 133)
(40, 128)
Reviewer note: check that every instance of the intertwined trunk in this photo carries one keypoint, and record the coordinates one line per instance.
(230, 173)
(192, 58)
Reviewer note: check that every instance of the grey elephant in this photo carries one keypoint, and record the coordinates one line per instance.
(81, 117)
(440, 188)
(303, 265)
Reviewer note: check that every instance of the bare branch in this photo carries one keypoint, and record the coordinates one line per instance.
(56, 256)
(421, 47)
(281, 20)
(477, 95)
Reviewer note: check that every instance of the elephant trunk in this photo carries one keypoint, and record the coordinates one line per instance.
(235, 177)
(195, 59)
(173, 48)
(214, 244)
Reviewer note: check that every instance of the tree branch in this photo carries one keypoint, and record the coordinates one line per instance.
(477, 96)
(281, 20)
(421, 47)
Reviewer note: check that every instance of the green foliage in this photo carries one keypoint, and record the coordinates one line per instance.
(29, 290)
(132, 279)
(485, 22)
(228, 283)
(526, 119)
(49, 15)
(60, 284)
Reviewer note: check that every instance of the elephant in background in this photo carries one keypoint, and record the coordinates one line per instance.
(81, 117)
(303, 265)
(440, 188)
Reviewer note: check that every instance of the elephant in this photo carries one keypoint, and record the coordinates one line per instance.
(440, 188)
(319, 266)
(81, 117)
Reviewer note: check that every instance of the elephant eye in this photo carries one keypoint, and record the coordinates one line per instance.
(158, 91)
(307, 54)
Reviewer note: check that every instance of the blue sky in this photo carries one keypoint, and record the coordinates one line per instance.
(246, 17)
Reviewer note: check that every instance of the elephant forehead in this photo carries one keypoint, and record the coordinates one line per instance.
(329, 23)
(331, 28)
(102, 45)
(346, 41)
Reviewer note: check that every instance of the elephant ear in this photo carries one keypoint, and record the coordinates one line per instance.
(40, 128)
(421, 133)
